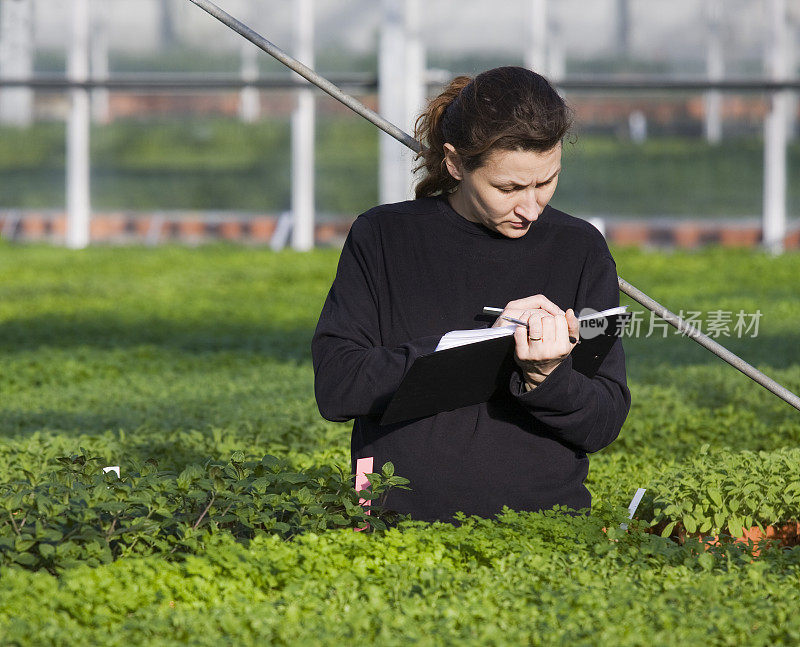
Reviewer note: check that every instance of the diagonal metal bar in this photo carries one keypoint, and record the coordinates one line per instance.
(308, 74)
(704, 340)
(354, 104)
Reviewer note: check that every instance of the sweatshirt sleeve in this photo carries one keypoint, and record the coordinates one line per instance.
(587, 413)
(354, 375)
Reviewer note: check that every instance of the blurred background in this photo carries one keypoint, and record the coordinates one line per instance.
(148, 120)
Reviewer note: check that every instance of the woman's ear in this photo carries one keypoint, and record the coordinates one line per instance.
(453, 162)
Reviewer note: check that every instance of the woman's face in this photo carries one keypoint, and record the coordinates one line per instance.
(508, 192)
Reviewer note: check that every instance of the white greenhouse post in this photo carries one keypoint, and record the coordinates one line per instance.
(556, 53)
(393, 169)
(776, 132)
(303, 127)
(78, 131)
(249, 98)
(415, 91)
(16, 61)
(99, 61)
(536, 37)
(715, 70)
(793, 67)
(793, 63)
(623, 35)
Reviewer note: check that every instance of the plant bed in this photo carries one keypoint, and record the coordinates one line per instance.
(743, 496)
(785, 535)
(77, 513)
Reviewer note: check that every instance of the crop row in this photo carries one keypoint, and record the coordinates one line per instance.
(80, 514)
(77, 514)
(526, 578)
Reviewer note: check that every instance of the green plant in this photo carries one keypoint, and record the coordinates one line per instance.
(78, 514)
(188, 355)
(721, 491)
(525, 578)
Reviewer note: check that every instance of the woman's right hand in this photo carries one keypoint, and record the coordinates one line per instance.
(550, 335)
(535, 307)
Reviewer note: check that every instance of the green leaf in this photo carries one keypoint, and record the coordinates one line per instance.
(25, 559)
(706, 560)
(668, 529)
(690, 523)
(735, 527)
(47, 550)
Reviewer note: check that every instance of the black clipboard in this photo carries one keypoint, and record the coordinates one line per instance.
(473, 373)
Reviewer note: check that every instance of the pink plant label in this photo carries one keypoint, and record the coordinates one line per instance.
(364, 466)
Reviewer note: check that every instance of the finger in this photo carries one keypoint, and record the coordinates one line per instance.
(521, 343)
(516, 314)
(573, 327)
(533, 302)
(538, 301)
(535, 325)
(522, 314)
(562, 335)
(549, 330)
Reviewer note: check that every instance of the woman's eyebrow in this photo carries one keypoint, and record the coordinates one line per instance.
(558, 170)
(509, 182)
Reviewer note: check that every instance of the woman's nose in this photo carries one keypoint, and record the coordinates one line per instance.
(527, 206)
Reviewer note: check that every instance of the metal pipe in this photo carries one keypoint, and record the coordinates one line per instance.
(308, 74)
(633, 292)
(215, 81)
(704, 340)
(168, 82)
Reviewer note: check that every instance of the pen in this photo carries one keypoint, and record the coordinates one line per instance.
(572, 340)
(512, 320)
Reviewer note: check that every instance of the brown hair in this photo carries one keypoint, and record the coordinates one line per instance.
(507, 108)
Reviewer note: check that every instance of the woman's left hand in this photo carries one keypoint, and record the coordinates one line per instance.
(544, 344)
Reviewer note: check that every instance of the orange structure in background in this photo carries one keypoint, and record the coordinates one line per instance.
(192, 227)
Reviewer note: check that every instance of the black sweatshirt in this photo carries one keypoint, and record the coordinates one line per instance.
(409, 273)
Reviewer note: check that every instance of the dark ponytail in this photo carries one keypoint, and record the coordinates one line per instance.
(507, 108)
(428, 130)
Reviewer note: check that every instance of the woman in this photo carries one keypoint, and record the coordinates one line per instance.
(480, 233)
